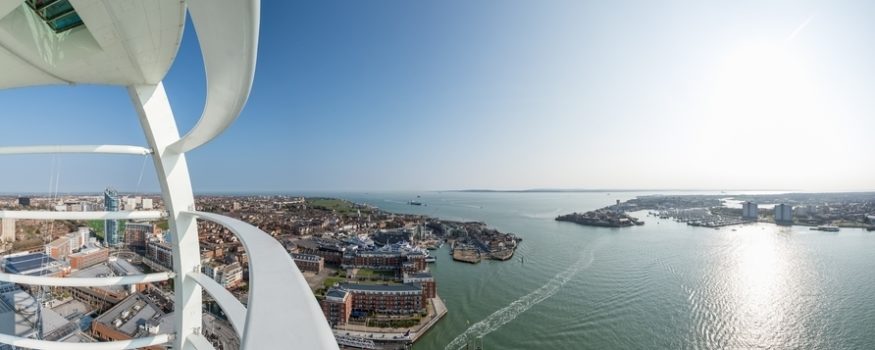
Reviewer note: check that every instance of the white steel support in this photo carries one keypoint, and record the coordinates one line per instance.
(159, 125)
(227, 31)
(81, 215)
(281, 310)
(233, 308)
(57, 149)
(85, 281)
(136, 343)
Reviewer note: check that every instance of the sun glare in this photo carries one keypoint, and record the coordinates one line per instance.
(763, 97)
(762, 83)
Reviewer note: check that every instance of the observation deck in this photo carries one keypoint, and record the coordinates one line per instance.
(132, 44)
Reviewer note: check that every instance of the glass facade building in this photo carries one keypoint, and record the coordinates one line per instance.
(110, 227)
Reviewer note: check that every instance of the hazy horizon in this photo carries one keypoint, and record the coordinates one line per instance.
(317, 192)
(454, 95)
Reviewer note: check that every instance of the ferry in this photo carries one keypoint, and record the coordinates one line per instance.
(414, 203)
(355, 342)
(430, 259)
(826, 228)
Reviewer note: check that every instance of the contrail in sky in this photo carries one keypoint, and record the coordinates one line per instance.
(798, 30)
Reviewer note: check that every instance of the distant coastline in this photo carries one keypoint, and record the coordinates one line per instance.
(585, 190)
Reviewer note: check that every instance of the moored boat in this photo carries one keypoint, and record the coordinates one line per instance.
(355, 342)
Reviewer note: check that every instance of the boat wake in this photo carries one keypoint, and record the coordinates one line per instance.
(508, 313)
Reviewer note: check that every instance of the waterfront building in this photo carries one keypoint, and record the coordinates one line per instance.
(749, 211)
(337, 306)
(386, 259)
(372, 259)
(7, 230)
(147, 203)
(804, 210)
(415, 262)
(404, 298)
(425, 281)
(110, 227)
(330, 250)
(309, 263)
(783, 214)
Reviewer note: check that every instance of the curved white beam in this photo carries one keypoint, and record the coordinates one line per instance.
(50, 149)
(82, 215)
(171, 168)
(85, 281)
(232, 307)
(228, 34)
(28, 343)
(281, 308)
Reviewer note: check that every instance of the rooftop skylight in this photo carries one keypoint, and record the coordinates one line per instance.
(58, 14)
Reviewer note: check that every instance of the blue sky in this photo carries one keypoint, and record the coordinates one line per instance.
(420, 95)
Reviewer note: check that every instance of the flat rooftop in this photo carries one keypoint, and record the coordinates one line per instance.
(72, 309)
(18, 316)
(108, 269)
(31, 264)
(78, 337)
(134, 311)
(400, 287)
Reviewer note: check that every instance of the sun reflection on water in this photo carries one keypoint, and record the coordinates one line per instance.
(759, 276)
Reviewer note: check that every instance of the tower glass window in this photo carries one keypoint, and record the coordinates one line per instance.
(58, 14)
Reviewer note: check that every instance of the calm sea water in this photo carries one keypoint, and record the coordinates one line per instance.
(662, 285)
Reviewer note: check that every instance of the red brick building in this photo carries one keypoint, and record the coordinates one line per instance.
(309, 263)
(425, 281)
(404, 298)
(88, 257)
(331, 251)
(385, 261)
(337, 306)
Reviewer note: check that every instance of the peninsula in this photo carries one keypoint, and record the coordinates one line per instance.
(606, 217)
(823, 211)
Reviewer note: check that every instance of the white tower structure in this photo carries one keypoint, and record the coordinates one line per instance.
(749, 211)
(783, 214)
(7, 230)
(132, 44)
